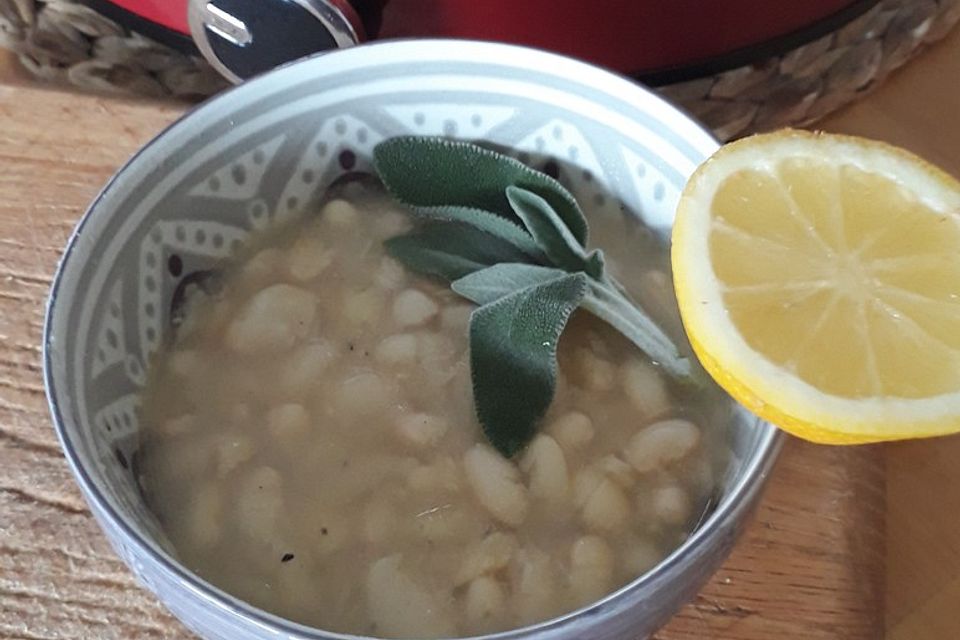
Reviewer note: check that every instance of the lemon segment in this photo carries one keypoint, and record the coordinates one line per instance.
(818, 278)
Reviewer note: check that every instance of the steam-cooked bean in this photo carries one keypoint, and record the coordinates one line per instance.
(232, 451)
(263, 265)
(591, 568)
(259, 502)
(364, 307)
(301, 370)
(402, 608)
(339, 214)
(180, 425)
(606, 508)
(661, 444)
(496, 484)
(533, 584)
(390, 274)
(308, 257)
(546, 467)
(421, 429)
(618, 471)
(573, 430)
(492, 554)
(413, 307)
(485, 600)
(363, 394)
(645, 389)
(288, 424)
(397, 349)
(593, 371)
(273, 320)
(185, 363)
(205, 515)
(671, 504)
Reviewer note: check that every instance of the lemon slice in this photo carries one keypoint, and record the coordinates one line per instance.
(818, 278)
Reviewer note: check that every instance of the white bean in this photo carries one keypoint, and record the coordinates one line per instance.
(179, 425)
(364, 307)
(485, 600)
(412, 308)
(399, 349)
(390, 223)
(232, 451)
(606, 508)
(288, 425)
(492, 554)
(661, 443)
(263, 265)
(639, 555)
(591, 568)
(339, 214)
(546, 467)
(594, 372)
(185, 363)
(573, 430)
(585, 483)
(618, 471)
(533, 583)
(272, 320)
(435, 352)
(308, 258)
(645, 389)
(390, 275)
(402, 608)
(259, 502)
(671, 505)
(496, 483)
(421, 429)
(363, 394)
(301, 370)
(205, 515)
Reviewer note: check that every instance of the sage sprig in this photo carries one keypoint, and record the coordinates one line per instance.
(513, 241)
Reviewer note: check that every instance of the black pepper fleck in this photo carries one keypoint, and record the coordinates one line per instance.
(287, 557)
(323, 531)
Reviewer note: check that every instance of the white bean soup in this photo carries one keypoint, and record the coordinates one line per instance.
(310, 443)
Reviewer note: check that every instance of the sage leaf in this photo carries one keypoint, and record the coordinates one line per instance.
(429, 171)
(490, 223)
(513, 358)
(493, 283)
(550, 232)
(450, 250)
(606, 302)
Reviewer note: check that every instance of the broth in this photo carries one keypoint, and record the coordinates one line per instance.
(310, 444)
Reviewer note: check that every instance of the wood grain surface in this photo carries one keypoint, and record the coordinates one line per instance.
(811, 565)
(918, 108)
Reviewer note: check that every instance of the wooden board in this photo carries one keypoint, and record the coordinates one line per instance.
(808, 567)
(918, 109)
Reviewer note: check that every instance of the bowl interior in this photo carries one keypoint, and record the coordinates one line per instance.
(261, 153)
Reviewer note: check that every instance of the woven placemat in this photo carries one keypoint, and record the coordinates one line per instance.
(66, 42)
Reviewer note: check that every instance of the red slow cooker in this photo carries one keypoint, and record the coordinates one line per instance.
(657, 41)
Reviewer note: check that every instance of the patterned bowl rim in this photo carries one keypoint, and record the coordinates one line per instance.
(746, 488)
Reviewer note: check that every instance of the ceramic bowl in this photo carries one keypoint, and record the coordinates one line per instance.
(260, 153)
